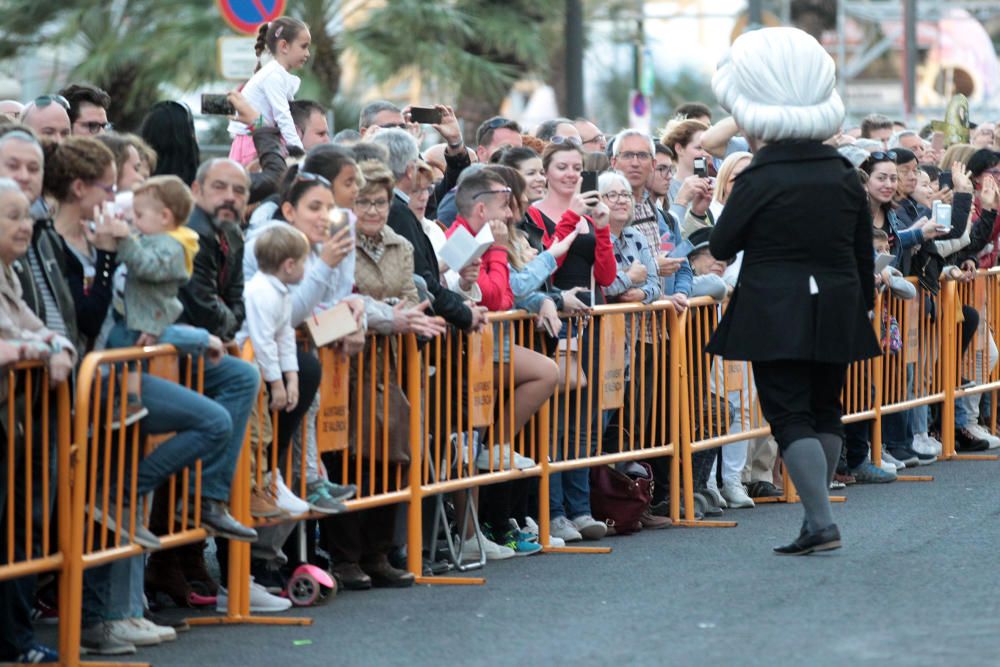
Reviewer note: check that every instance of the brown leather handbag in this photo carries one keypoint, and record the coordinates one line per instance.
(619, 500)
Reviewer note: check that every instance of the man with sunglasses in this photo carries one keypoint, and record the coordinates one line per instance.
(88, 108)
(48, 116)
(558, 127)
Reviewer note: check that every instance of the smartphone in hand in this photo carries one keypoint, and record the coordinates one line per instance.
(426, 115)
(945, 181)
(216, 105)
(701, 167)
(588, 181)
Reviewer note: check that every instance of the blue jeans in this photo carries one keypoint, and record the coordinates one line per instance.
(232, 384)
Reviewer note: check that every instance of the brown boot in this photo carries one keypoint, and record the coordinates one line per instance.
(384, 575)
(352, 577)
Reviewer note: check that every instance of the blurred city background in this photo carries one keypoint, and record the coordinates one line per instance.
(620, 62)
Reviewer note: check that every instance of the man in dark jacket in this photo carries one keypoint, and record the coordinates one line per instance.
(213, 300)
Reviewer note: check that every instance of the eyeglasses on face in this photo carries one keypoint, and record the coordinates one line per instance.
(664, 171)
(642, 156)
(393, 126)
(95, 127)
(597, 138)
(618, 196)
(380, 205)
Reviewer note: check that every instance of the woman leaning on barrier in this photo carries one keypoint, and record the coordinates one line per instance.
(359, 542)
(23, 336)
(806, 286)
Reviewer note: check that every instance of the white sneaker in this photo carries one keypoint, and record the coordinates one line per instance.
(717, 497)
(886, 456)
(981, 431)
(589, 527)
(166, 633)
(888, 467)
(501, 459)
(284, 498)
(531, 528)
(564, 529)
(128, 630)
(736, 495)
(260, 600)
(493, 551)
(924, 444)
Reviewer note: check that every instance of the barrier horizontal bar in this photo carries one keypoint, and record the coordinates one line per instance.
(722, 440)
(486, 479)
(902, 406)
(617, 457)
(25, 568)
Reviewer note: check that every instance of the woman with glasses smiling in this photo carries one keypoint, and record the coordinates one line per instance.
(80, 174)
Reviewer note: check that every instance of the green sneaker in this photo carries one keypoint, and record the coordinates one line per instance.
(319, 498)
(514, 539)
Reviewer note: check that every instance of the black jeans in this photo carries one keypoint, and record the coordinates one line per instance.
(800, 398)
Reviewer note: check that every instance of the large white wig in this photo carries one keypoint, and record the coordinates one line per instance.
(779, 83)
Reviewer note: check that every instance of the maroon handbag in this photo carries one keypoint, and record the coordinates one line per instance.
(619, 500)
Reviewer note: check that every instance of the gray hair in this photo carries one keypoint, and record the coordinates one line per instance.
(403, 149)
(373, 109)
(369, 150)
(899, 136)
(548, 129)
(609, 179)
(19, 135)
(8, 185)
(202, 174)
(856, 155)
(617, 142)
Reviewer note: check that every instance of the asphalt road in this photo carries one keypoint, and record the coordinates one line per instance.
(916, 584)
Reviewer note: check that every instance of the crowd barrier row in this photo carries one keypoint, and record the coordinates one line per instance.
(409, 420)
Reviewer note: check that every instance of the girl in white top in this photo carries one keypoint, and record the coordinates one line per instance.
(273, 86)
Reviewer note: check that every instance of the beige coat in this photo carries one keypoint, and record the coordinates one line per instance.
(391, 277)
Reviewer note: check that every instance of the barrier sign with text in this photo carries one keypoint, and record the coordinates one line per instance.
(331, 426)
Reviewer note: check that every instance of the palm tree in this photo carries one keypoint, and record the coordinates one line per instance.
(469, 49)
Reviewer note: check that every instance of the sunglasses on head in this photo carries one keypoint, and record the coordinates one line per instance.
(45, 100)
(309, 177)
(879, 156)
(572, 141)
(497, 122)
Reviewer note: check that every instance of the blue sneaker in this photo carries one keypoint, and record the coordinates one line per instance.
(37, 654)
(867, 473)
(514, 539)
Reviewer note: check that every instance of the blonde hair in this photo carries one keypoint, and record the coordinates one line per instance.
(171, 192)
(277, 244)
(956, 153)
(725, 173)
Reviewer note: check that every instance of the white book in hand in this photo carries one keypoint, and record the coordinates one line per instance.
(462, 249)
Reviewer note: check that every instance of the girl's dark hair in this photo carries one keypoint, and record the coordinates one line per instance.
(513, 157)
(293, 188)
(932, 170)
(168, 128)
(75, 157)
(269, 34)
(878, 157)
(327, 160)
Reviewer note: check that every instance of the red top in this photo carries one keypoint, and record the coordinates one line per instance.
(494, 275)
(605, 266)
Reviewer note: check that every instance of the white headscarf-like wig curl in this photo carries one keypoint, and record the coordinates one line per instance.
(779, 83)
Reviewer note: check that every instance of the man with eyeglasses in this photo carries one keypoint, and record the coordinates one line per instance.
(633, 157)
(48, 116)
(380, 113)
(591, 137)
(557, 127)
(658, 184)
(88, 108)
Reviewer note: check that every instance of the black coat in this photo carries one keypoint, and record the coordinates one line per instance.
(213, 298)
(798, 212)
(449, 305)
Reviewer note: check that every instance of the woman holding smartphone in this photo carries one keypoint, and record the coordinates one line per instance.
(589, 265)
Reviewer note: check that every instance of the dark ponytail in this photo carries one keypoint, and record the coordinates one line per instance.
(261, 44)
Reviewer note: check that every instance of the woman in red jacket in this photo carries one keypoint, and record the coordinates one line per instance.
(590, 266)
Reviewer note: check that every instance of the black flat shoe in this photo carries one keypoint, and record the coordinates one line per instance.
(827, 539)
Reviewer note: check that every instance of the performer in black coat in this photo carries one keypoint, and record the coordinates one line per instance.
(800, 311)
